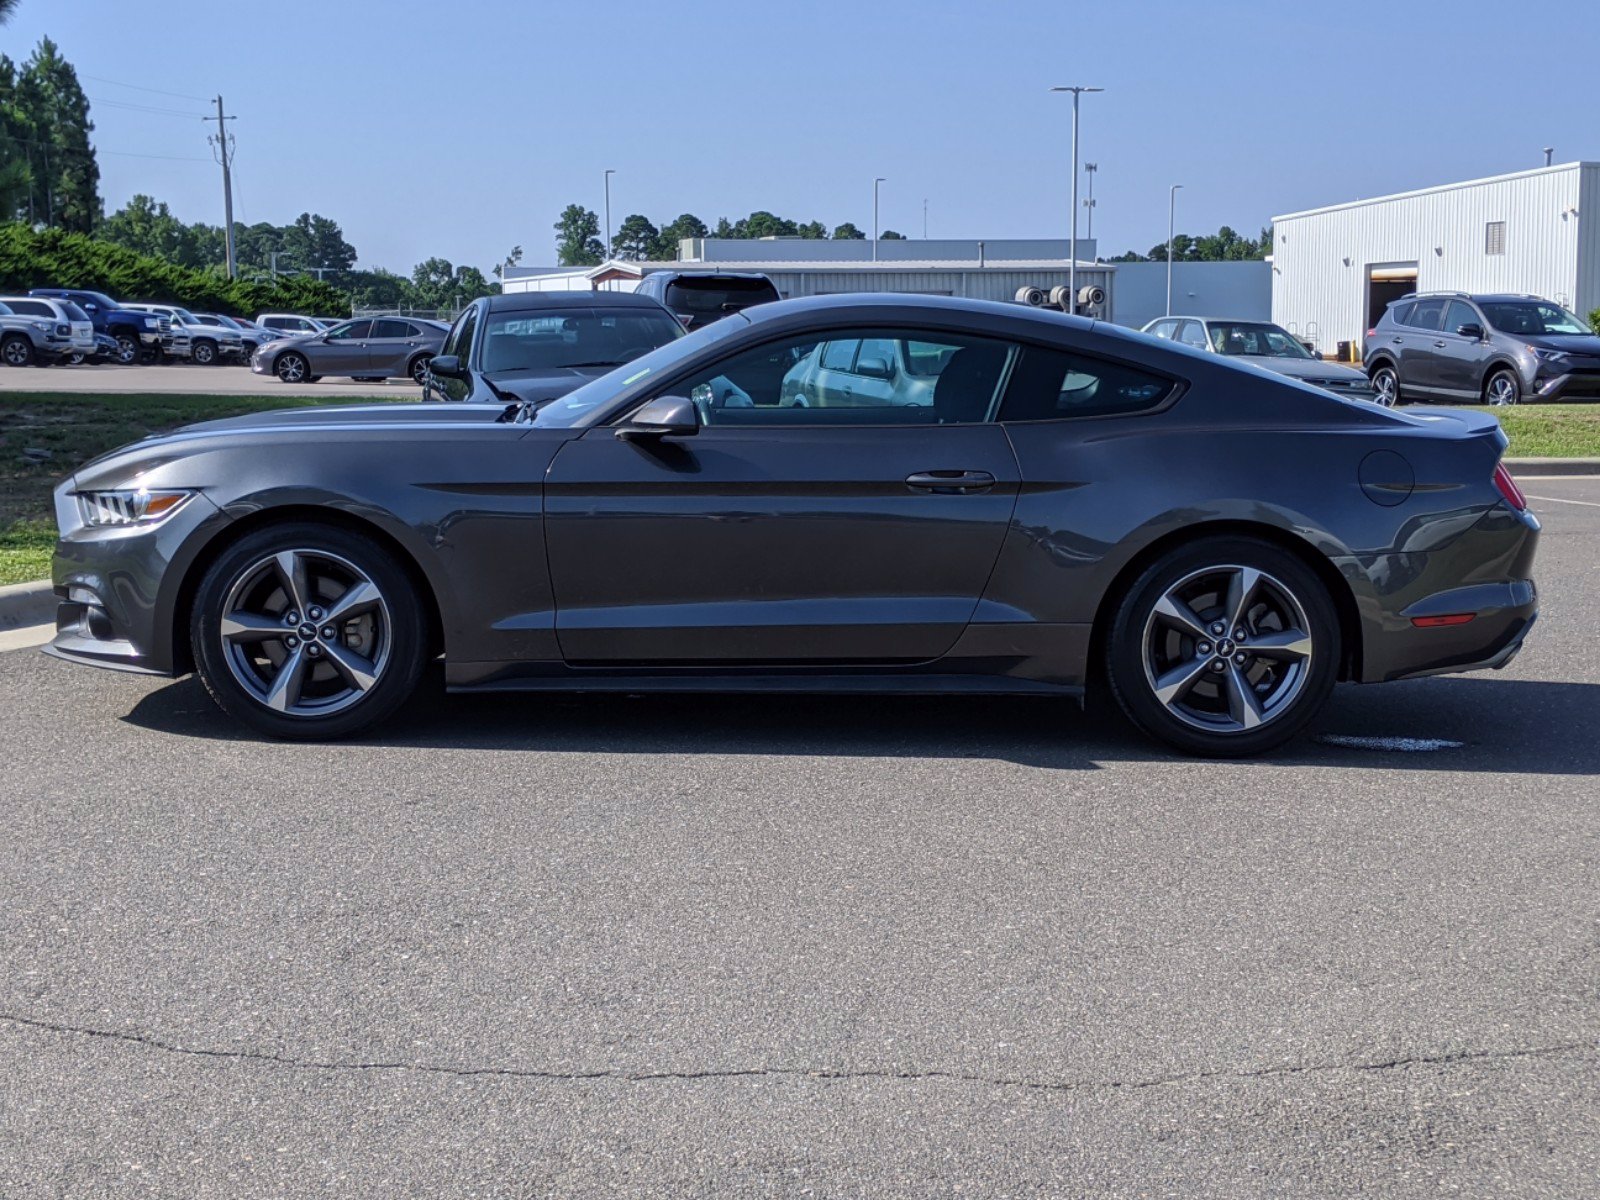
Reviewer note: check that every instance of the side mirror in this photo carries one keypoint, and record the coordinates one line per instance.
(91, 306)
(1473, 331)
(447, 365)
(875, 368)
(665, 416)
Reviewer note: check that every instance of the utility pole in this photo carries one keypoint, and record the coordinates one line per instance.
(1172, 211)
(1091, 168)
(610, 171)
(1072, 266)
(222, 145)
(875, 184)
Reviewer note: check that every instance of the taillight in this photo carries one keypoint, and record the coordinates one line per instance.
(1370, 332)
(1508, 488)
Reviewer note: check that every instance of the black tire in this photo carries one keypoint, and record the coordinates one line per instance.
(128, 349)
(17, 351)
(1502, 388)
(204, 353)
(292, 367)
(1385, 382)
(1198, 720)
(397, 640)
(418, 368)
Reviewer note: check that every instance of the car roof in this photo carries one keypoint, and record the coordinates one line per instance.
(908, 306)
(532, 301)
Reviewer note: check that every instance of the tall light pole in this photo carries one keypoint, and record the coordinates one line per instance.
(1548, 152)
(924, 218)
(609, 173)
(1172, 210)
(875, 184)
(1090, 169)
(1072, 265)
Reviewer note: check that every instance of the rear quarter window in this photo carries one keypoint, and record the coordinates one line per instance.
(1053, 385)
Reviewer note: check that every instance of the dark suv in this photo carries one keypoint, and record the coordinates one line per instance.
(701, 297)
(1496, 349)
(137, 334)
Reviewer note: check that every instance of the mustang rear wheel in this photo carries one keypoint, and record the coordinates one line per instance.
(1227, 647)
(306, 631)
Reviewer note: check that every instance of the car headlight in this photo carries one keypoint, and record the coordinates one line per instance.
(1549, 356)
(133, 506)
(151, 322)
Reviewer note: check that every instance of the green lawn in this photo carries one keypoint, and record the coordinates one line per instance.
(1552, 430)
(75, 428)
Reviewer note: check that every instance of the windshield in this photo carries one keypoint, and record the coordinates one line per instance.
(717, 294)
(184, 316)
(572, 408)
(1254, 338)
(542, 340)
(1531, 316)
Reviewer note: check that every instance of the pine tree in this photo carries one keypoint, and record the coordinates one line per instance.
(66, 177)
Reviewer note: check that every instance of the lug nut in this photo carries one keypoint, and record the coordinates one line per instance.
(314, 650)
(1241, 658)
(1240, 634)
(291, 618)
(315, 613)
(292, 642)
(328, 633)
(1219, 628)
(1203, 648)
(1219, 665)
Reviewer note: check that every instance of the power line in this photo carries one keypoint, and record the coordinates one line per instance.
(136, 87)
(145, 108)
(72, 151)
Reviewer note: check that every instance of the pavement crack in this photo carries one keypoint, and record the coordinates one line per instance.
(150, 1042)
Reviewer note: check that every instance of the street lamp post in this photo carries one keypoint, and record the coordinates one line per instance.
(1172, 208)
(875, 184)
(610, 171)
(1090, 169)
(1072, 265)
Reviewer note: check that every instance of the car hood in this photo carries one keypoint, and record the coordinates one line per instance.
(543, 383)
(1572, 343)
(1309, 369)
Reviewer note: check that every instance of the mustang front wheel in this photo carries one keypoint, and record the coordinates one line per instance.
(307, 631)
(1227, 647)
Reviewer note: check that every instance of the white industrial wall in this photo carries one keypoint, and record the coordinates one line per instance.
(1322, 258)
(1199, 289)
(987, 284)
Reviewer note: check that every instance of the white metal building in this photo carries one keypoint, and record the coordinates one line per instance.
(992, 270)
(1536, 232)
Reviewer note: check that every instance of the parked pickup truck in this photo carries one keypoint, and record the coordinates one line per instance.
(137, 334)
(42, 331)
(196, 341)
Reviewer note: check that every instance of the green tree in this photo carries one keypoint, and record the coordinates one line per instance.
(686, 226)
(847, 232)
(66, 177)
(889, 235)
(146, 226)
(813, 230)
(724, 228)
(512, 260)
(7, 7)
(635, 239)
(578, 241)
(315, 241)
(761, 223)
(16, 138)
(436, 283)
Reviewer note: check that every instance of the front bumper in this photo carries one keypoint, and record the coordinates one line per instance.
(118, 588)
(1581, 384)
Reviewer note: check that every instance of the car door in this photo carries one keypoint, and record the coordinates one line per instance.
(1460, 359)
(1420, 344)
(342, 350)
(391, 344)
(781, 535)
(1164, 329)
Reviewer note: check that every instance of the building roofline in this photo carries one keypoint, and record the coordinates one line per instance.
(1553, 169)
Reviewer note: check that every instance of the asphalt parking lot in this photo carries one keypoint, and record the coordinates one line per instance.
(223, 379)
(697, 946)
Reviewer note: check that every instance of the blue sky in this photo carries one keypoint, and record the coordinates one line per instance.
(462, 129)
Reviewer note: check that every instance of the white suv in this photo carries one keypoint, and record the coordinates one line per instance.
(290, 324)
(33, 328)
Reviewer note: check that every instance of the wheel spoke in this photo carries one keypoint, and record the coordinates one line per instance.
(1241, 591)
(285, 691)
(358, 598)
(359, 672)
(1176, 612)
(1290, 644)
(1244, 706)
(1175, 684)
(251, 627)
(291, 570)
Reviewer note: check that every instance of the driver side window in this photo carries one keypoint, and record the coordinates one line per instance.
(871, 377)
(351, 332)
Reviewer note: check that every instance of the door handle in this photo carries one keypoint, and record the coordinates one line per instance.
(950, 483)
(1394, 341)
(1439, 345)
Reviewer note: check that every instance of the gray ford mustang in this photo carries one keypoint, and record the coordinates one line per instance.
(1067, 501)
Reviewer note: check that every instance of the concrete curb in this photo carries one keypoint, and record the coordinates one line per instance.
(24, 604)
(1553, 466)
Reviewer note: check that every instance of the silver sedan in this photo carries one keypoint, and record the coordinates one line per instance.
(365, 348)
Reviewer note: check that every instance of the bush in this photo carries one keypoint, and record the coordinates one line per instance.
(1594, 320)
(54, 258)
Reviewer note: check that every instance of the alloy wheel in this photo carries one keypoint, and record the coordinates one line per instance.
(127, 351)
(305, 632)
(1502, 390)
(1386, 386)
(16, 353)
(419, 370)
(291, 368)
(1227, 649)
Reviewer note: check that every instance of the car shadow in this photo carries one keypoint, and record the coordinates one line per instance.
(1487, 723)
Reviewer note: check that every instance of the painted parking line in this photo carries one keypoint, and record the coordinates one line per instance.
(1564, 500)
(1408, 745)
(28, 635)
